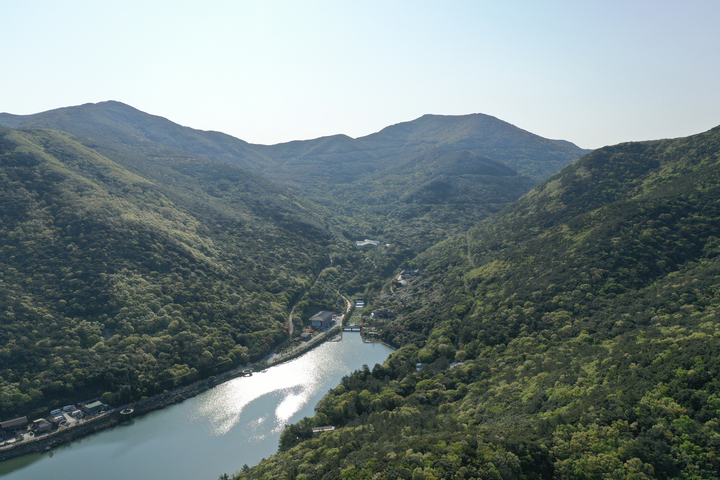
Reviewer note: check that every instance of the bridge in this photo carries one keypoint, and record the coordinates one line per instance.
(352, 328)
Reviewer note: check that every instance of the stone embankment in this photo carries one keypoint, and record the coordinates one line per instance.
(304, 347)
(64, 435)
(102, 421)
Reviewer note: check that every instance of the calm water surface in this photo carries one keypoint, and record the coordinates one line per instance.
(236, 423)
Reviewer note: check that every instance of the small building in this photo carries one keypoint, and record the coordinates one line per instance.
(93, 407)
(382, 313)
(57, 419)
(57, 411)
(305, 337)
(319, 430)
(409, 273)
(359, 303)
(367, 243)
(41, 425)
(11, 426)
(69, 408)
(321, 320)
(77, 414)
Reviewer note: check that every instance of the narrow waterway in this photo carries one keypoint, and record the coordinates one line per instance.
(236, 423)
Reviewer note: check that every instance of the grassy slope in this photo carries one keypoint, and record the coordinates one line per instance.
(132, 282)
(586, 315)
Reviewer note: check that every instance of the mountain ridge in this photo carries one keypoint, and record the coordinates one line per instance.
(221, 237)
(348, 175)
(114, 110)
(582, 327)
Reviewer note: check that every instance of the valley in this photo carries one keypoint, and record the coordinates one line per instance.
(564, 323)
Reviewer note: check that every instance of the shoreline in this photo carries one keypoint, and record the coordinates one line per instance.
(112, 417)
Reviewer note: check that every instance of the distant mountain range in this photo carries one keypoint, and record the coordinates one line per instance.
(449, 170)
(117, 124)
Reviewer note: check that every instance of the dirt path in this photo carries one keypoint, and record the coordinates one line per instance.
(348, 303)
(291, 327)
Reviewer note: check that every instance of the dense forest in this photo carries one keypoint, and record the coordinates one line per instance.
(137, 255)
(412, 184)
(575, 335)
(565, 325)
(122, 285)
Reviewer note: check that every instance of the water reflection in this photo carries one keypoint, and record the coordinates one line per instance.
(296, 382)
(236, 423)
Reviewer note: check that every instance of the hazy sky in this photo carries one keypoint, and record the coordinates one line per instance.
(592, 72)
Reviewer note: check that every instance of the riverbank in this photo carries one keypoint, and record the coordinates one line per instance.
(112, 417)
(235, 423)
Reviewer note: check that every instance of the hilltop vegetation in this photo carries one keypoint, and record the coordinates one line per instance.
(412, 184)
(585, 316)
(112, 281)
(417, 183)
(136, 255)
(113, 217)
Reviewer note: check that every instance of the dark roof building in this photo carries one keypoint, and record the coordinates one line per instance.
(410, 273)
(41, 425)
(321, 320)
(13, 425)
(382, 313)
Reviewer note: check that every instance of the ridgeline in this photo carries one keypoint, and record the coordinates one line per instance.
(573, 335)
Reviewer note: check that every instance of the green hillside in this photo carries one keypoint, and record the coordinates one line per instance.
(409, 186)
(390, 184)
(117, 127)
(523, 151)
(138, 255)
(131, 279)
(585, 318)
(407, 183)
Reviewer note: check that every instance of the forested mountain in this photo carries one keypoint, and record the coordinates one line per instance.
(417, 182)
(412, 184)
(130, 282)
(585, 317)
(116, 127)
(136, 254)
(349, 158)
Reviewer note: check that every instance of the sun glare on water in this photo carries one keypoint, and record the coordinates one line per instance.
(290, 387)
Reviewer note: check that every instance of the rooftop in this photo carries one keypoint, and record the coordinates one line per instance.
(367, 242)
(324, 315)
(14, 422)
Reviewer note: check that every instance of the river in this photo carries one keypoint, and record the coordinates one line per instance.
(236, 423)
